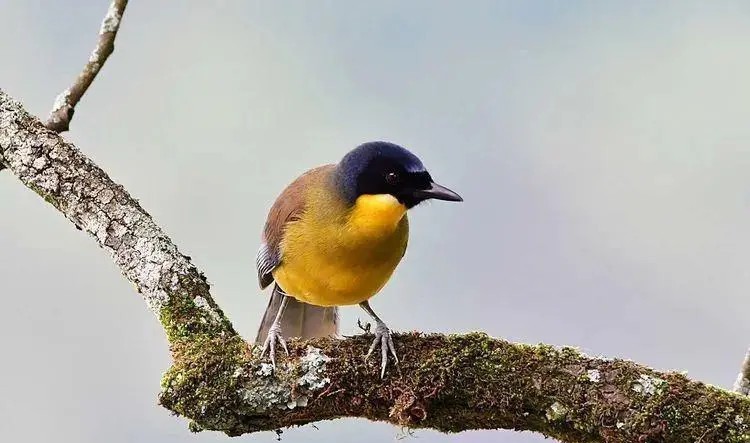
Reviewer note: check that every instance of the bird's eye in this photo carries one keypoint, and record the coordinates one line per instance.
(391, 178)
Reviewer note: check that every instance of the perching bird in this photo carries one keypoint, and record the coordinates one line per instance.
(334, 237)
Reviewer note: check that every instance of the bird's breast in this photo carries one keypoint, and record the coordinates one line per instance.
(346, 260)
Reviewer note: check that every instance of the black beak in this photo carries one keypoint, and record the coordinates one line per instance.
(437, 192)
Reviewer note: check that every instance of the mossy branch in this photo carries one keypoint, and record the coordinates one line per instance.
(450, 383)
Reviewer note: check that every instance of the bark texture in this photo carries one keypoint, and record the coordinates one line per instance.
(450, 383)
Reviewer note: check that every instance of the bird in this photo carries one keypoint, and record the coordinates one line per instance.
(334, 237)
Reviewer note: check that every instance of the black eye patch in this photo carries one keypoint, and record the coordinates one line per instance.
(418, 180)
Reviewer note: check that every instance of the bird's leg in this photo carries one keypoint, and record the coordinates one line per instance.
(383, 339)
(274, 334)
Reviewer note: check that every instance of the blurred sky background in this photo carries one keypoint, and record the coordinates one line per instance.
(602, 148)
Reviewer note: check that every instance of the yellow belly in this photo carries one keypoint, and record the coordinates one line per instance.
(332, 264)
(322, 283)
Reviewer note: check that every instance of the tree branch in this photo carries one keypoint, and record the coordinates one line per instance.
(450, 383)
(65, 103)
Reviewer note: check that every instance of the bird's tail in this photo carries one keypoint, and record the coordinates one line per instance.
(299, 319)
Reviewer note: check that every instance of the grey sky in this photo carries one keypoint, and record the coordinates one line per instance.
(602, 150)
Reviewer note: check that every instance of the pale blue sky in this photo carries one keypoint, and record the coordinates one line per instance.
(602, 149)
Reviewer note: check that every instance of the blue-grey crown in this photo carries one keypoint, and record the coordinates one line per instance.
(358, 158)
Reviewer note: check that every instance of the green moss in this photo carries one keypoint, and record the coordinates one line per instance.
(183, 319)
(200, 384)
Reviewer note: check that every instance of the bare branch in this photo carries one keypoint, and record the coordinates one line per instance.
(65, 103)
(79, 189)
(450, 383)
(742, 384)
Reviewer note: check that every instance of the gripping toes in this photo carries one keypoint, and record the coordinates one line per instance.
(384, 341)
(274, 335)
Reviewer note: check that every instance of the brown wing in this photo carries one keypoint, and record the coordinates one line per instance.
(289, 206)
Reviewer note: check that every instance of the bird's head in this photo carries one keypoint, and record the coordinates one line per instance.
(382, 168)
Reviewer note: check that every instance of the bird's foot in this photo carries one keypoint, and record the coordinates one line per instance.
(274, 336)
(384, 341)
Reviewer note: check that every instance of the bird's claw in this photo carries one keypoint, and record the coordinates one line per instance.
(274, 335)
(384, 340)
(365, 327)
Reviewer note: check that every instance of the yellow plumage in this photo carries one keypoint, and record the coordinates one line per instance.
(337, 255)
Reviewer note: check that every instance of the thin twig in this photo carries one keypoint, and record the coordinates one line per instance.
(742, 385)
(65, 103)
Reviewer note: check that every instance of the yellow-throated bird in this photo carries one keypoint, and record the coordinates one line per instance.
(334, 237)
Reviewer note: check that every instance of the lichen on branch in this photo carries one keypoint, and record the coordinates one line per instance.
(446, 382)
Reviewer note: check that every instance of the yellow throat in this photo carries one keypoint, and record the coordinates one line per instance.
(376, 215)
